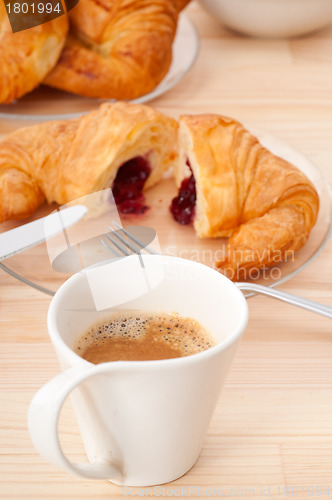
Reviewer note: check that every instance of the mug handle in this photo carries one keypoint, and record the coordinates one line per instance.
(43, 418)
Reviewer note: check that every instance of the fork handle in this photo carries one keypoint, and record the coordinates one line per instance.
(295, 300)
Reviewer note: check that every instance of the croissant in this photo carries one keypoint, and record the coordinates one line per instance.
(234, 187)
(27, 56)
(118, 49)
(124, 146)
(181, 4)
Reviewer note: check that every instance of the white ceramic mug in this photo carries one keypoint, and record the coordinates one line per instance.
(142, 422)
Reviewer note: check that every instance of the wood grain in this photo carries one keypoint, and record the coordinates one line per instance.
(272, 427)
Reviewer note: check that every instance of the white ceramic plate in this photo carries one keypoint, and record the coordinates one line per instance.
(50, 104)
(33, 266)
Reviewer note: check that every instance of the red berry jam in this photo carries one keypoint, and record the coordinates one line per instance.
(183, 205)
(128, 186)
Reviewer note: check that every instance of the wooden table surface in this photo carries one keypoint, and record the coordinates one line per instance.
(271, 434)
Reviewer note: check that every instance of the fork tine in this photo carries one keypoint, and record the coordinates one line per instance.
(122, 249)
(115, 237)
(131, 237)
(110, 249)
(119, 237)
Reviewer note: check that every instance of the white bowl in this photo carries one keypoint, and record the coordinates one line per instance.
(271, 18)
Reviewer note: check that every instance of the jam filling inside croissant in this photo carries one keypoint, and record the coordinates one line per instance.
(183, 205)
(128, 186)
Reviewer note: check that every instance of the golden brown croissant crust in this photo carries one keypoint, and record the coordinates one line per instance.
(27, 56)
(118, 49)
(263, 203)
(64, 160)
(181, 4)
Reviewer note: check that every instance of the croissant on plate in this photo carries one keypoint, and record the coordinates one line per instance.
(231, 186)
(27, 56)
(118, 49)
(124, 146)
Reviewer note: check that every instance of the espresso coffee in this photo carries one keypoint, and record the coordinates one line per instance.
(142, 336)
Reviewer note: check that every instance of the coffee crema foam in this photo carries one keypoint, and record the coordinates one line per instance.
(139, 336)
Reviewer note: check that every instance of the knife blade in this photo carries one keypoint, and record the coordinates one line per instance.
(33, 233)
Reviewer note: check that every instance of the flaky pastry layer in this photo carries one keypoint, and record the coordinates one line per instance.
(265, 205)
(64, 160)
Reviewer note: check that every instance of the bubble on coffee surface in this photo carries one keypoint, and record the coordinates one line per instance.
(133, 335)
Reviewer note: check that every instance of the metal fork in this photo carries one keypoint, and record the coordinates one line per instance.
(125, 246)
(130, 244)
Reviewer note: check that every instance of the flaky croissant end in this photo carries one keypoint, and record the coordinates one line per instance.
(265, 205)
(61, 161)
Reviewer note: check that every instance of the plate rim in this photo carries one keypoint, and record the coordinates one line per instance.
(184, 23)
(270, 141)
